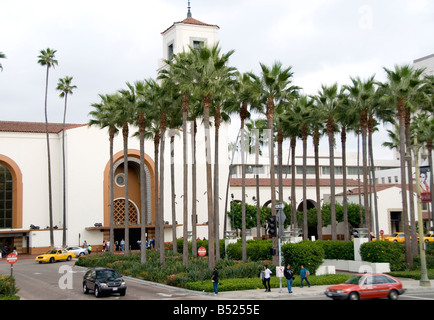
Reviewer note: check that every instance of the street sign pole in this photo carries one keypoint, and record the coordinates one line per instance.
(280, 222)
(201, 252)
(11, 259)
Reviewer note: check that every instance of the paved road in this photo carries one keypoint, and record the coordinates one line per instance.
(63, 281)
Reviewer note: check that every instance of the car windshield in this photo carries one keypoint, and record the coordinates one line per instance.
(51, 252)
(107, 274)
(353, 280)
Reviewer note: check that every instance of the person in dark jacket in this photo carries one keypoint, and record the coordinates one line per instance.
(289, 275)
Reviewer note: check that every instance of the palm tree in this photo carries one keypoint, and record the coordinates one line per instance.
(2, 56)
(143, 111)
(180, 71)
(361, 95)
(104, 117)
(327, 98)
(301, 115)
(276, 87)
(65, 88)
(403, 86)
(317, 130)
(208, 63)
(347, 118)
(126, 107)
(255, 131)
(47, 58)
(245, 93)
(223, 105)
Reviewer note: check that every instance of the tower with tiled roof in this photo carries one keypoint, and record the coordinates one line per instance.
(189, 32)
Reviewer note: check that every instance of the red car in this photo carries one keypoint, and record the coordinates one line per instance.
(367, 286)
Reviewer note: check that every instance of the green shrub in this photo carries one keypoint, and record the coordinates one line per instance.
(384, 251)
(257, 250)
(309, 253)
(5, 286)
(338, 250)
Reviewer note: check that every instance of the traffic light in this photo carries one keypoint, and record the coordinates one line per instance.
(272, 226)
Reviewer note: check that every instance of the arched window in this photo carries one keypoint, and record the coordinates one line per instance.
(6, 197)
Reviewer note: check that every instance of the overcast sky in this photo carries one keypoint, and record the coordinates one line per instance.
(103, 44)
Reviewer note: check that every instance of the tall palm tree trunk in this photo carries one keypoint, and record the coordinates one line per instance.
(193, 190)
(172, 189)
(211, 237)
(127, 201)
(344, 178)
(161, 222)
(50, 195)
(317, 183)
(64, 174)
(330, 129)
(401, 117)
(143, 190)
(410, 186)
(111, 236)
(217, 120)
(270, 120)
(304, 142)
(185, 101)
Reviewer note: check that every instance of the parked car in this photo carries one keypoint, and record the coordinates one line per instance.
(55, 255)
(367, 286)
(103, 280)
(78, 251)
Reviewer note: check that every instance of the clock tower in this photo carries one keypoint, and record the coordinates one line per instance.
(187, 33)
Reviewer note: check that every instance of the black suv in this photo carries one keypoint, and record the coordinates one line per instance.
(103, 280)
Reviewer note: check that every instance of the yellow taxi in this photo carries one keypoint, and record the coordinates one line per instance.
(396, 237)
(55, 255)
(429, 237)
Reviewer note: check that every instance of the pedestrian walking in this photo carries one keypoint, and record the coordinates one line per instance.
(289, 275)
(304, 273)
(266, 280)
(215, 280)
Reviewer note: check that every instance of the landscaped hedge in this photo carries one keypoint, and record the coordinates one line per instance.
(256, 283)
(338, 250)
(309, 253)
(256, 250)
(384, 251)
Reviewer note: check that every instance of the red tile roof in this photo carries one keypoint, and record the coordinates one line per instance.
(190, 20)
(35, 127)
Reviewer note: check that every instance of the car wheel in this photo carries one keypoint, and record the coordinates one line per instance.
(69, 258)
(123, 292)
(51, 260)
(97, 292)
(393, 295)
(353, 296)
(85, 288)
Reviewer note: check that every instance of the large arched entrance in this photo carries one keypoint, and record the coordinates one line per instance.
(11, 204)
(134, 198)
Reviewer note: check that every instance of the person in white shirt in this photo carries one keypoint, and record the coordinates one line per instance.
(266, 280)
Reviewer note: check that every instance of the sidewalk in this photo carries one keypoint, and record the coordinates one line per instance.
(277, 293)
